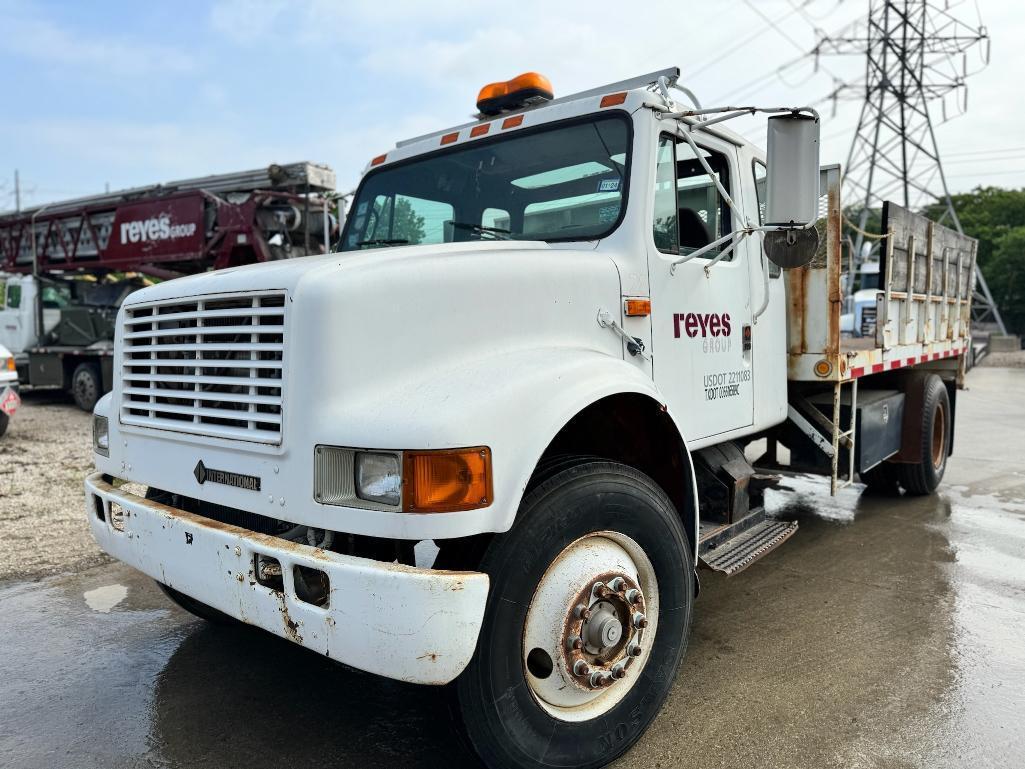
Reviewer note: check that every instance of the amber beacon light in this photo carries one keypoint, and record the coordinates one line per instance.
(523, 90)
(447, 481)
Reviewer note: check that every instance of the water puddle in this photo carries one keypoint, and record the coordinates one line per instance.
(105, 598)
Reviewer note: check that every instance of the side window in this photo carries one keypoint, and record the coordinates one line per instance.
(760, 174)
(689, 211)
(13, 296)
(665, 230)
(704, 215)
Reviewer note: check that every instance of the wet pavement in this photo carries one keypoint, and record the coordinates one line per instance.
(886, 633)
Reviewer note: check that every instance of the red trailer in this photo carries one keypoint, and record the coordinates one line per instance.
(54, 257)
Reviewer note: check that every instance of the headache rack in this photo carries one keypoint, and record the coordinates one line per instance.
(209, 365)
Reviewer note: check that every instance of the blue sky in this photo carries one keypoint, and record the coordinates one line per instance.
(131, 93)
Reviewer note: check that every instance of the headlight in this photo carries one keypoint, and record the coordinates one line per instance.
(101, 436)
(437, 481)
(378, 478)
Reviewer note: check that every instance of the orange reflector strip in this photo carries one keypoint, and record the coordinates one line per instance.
(613, 99)
(449, 138)
(636, 308)
(512, 122)
(479, 130)
(447, 481)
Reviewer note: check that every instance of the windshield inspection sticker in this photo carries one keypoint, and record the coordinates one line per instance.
(608, 185)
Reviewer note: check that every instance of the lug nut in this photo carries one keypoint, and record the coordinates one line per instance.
(575, 642)
(633, 596)
(640, 621)
(634, 650)
(599, 679)
(617, 584)
(582, 612)
(580, 668)
(619, 671)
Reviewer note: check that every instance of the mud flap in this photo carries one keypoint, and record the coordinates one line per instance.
(736, 554)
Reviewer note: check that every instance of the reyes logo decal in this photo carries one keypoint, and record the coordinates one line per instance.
(695, 324)
(155, 228)
(238, 480)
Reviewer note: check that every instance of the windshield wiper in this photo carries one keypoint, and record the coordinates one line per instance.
(482, 229)
(382, 242)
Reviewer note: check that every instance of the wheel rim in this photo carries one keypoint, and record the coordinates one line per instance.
(939, 437)
(590, 626)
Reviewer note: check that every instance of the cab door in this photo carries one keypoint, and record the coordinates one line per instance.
(702, 310)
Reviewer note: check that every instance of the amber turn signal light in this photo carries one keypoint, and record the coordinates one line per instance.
(447, 481)
(636, 308)
(10, 365)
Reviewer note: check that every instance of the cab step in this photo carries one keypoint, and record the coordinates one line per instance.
(733, 555)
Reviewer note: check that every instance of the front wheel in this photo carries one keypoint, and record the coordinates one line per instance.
(587, 621)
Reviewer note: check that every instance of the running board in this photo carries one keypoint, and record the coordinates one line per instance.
(736, 554)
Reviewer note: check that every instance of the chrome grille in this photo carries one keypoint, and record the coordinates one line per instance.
(210, 365)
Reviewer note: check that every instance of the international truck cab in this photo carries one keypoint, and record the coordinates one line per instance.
(488, 443)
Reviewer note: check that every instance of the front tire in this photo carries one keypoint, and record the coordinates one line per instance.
(595, 545)
(197, 608)
(4, 421)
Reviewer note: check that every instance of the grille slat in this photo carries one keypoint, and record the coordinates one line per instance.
(211, 365)
(205, 331)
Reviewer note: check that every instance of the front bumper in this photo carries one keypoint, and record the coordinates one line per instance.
(416, 625)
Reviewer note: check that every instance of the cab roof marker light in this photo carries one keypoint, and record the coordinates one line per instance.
(379, 159)
(512, 122)
(479, 130)
(450, 138)
(613, 99)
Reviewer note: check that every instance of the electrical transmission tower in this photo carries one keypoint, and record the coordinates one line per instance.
(916, 54)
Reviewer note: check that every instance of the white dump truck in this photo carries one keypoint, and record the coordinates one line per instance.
(561, 353)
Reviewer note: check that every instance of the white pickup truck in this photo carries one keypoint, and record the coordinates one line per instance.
(489, 442)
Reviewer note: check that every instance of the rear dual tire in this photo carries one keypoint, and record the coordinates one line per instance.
(513, 716)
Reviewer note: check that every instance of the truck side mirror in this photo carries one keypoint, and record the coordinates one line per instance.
(792, 189)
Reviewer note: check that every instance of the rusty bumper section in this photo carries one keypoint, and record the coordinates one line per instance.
(416, 625)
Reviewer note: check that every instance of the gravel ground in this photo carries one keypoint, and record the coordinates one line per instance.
(44, 457)
(1005, 360)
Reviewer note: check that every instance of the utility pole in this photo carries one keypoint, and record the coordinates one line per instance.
(916, 54)
(17, 192)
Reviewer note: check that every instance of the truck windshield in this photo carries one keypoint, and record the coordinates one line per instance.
(565, 181)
